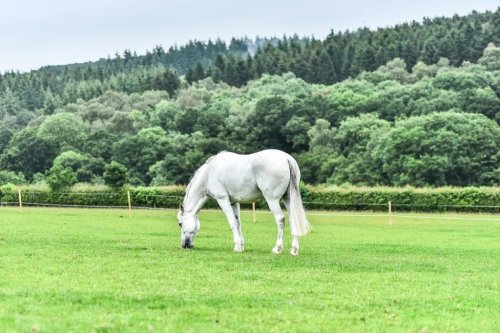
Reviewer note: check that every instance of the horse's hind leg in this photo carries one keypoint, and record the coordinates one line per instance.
(274, 206)
(225, 205)
(294, 251)
(236, 212)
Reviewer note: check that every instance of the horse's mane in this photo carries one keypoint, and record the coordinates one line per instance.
(197, 172)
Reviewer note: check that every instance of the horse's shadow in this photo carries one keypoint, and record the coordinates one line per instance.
(228, 250)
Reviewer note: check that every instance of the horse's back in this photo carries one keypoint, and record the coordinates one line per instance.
(270, 161)
(244, 177)
(231, 175)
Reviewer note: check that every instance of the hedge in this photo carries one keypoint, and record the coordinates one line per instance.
(470, 199)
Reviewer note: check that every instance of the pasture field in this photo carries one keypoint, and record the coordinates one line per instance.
(77, 270)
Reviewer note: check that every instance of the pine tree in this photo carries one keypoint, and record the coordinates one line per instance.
(347, 61)
(325, 71)
(199, 72)
(230, 74)
(243, 72)
(410, 54)
(429, 52)
(219, 62)
(336, 58)
(214, 73)
(190, 76)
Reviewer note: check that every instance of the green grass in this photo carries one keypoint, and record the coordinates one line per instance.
(64, 270)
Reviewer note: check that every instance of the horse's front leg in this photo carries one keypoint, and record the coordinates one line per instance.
(225, 205)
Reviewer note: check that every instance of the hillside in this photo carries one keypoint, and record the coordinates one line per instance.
(414, 104)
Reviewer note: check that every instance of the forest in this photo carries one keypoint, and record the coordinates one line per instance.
(414, 104)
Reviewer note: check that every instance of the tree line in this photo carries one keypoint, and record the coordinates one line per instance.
(419, 123)
(339, 56)
(346, 54)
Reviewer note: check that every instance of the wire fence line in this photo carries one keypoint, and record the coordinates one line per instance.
(148, 201)
(310, 203)
(395, 205)
(389, 216)
(357, 204)
(108, 194)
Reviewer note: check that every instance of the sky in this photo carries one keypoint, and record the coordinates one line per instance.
(36, 33)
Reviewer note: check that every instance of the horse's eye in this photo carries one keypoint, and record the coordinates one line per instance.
(180, 224)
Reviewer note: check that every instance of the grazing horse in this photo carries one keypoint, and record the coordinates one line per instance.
(231, 178)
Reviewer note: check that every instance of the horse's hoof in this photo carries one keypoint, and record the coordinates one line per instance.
(238, 248)
(277, 249)
(294, 251)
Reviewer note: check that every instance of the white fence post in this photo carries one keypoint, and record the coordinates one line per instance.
(390, 213)
(129, 205)
(254, 213)
(20, 201)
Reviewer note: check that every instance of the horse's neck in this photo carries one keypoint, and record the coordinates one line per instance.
(196, 192)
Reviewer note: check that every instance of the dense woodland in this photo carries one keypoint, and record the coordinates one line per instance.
(417, 104)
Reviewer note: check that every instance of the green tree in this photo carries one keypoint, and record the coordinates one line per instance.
(10, 177)
(230, 74)
(447, 148)
(354, 140)
(266, 124)
(5, 136)
(184, 154)
(326, 73)
(318, 164)
(115, 175)
(220, 63)
(9, 104)
(491, 57)
(100, 143)
(86, 167)
(28, 153)
(199, 72)
(165, 114)
(321, 134)
(65, 130)
(296, 133)
(190, 76)
(59, 178)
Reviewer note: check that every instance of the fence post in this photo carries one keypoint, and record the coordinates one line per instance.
(390, 213)
(129, 205)
(20, 201)
(254, 213)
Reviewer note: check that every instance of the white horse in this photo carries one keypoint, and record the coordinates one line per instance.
(231, 178)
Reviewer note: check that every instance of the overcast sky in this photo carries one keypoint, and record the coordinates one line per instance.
(34, 33)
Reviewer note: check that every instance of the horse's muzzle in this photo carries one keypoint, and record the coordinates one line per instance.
(187, 245)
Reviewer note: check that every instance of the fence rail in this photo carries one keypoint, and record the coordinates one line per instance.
(130, 200)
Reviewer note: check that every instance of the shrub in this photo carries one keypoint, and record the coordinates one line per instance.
(10, 177)
(115, 175)
(59, 178)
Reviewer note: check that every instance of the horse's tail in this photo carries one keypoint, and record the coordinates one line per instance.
(297, 215)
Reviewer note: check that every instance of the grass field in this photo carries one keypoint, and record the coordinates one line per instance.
(64, 270)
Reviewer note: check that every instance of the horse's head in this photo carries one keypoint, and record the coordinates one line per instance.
(190, 224)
